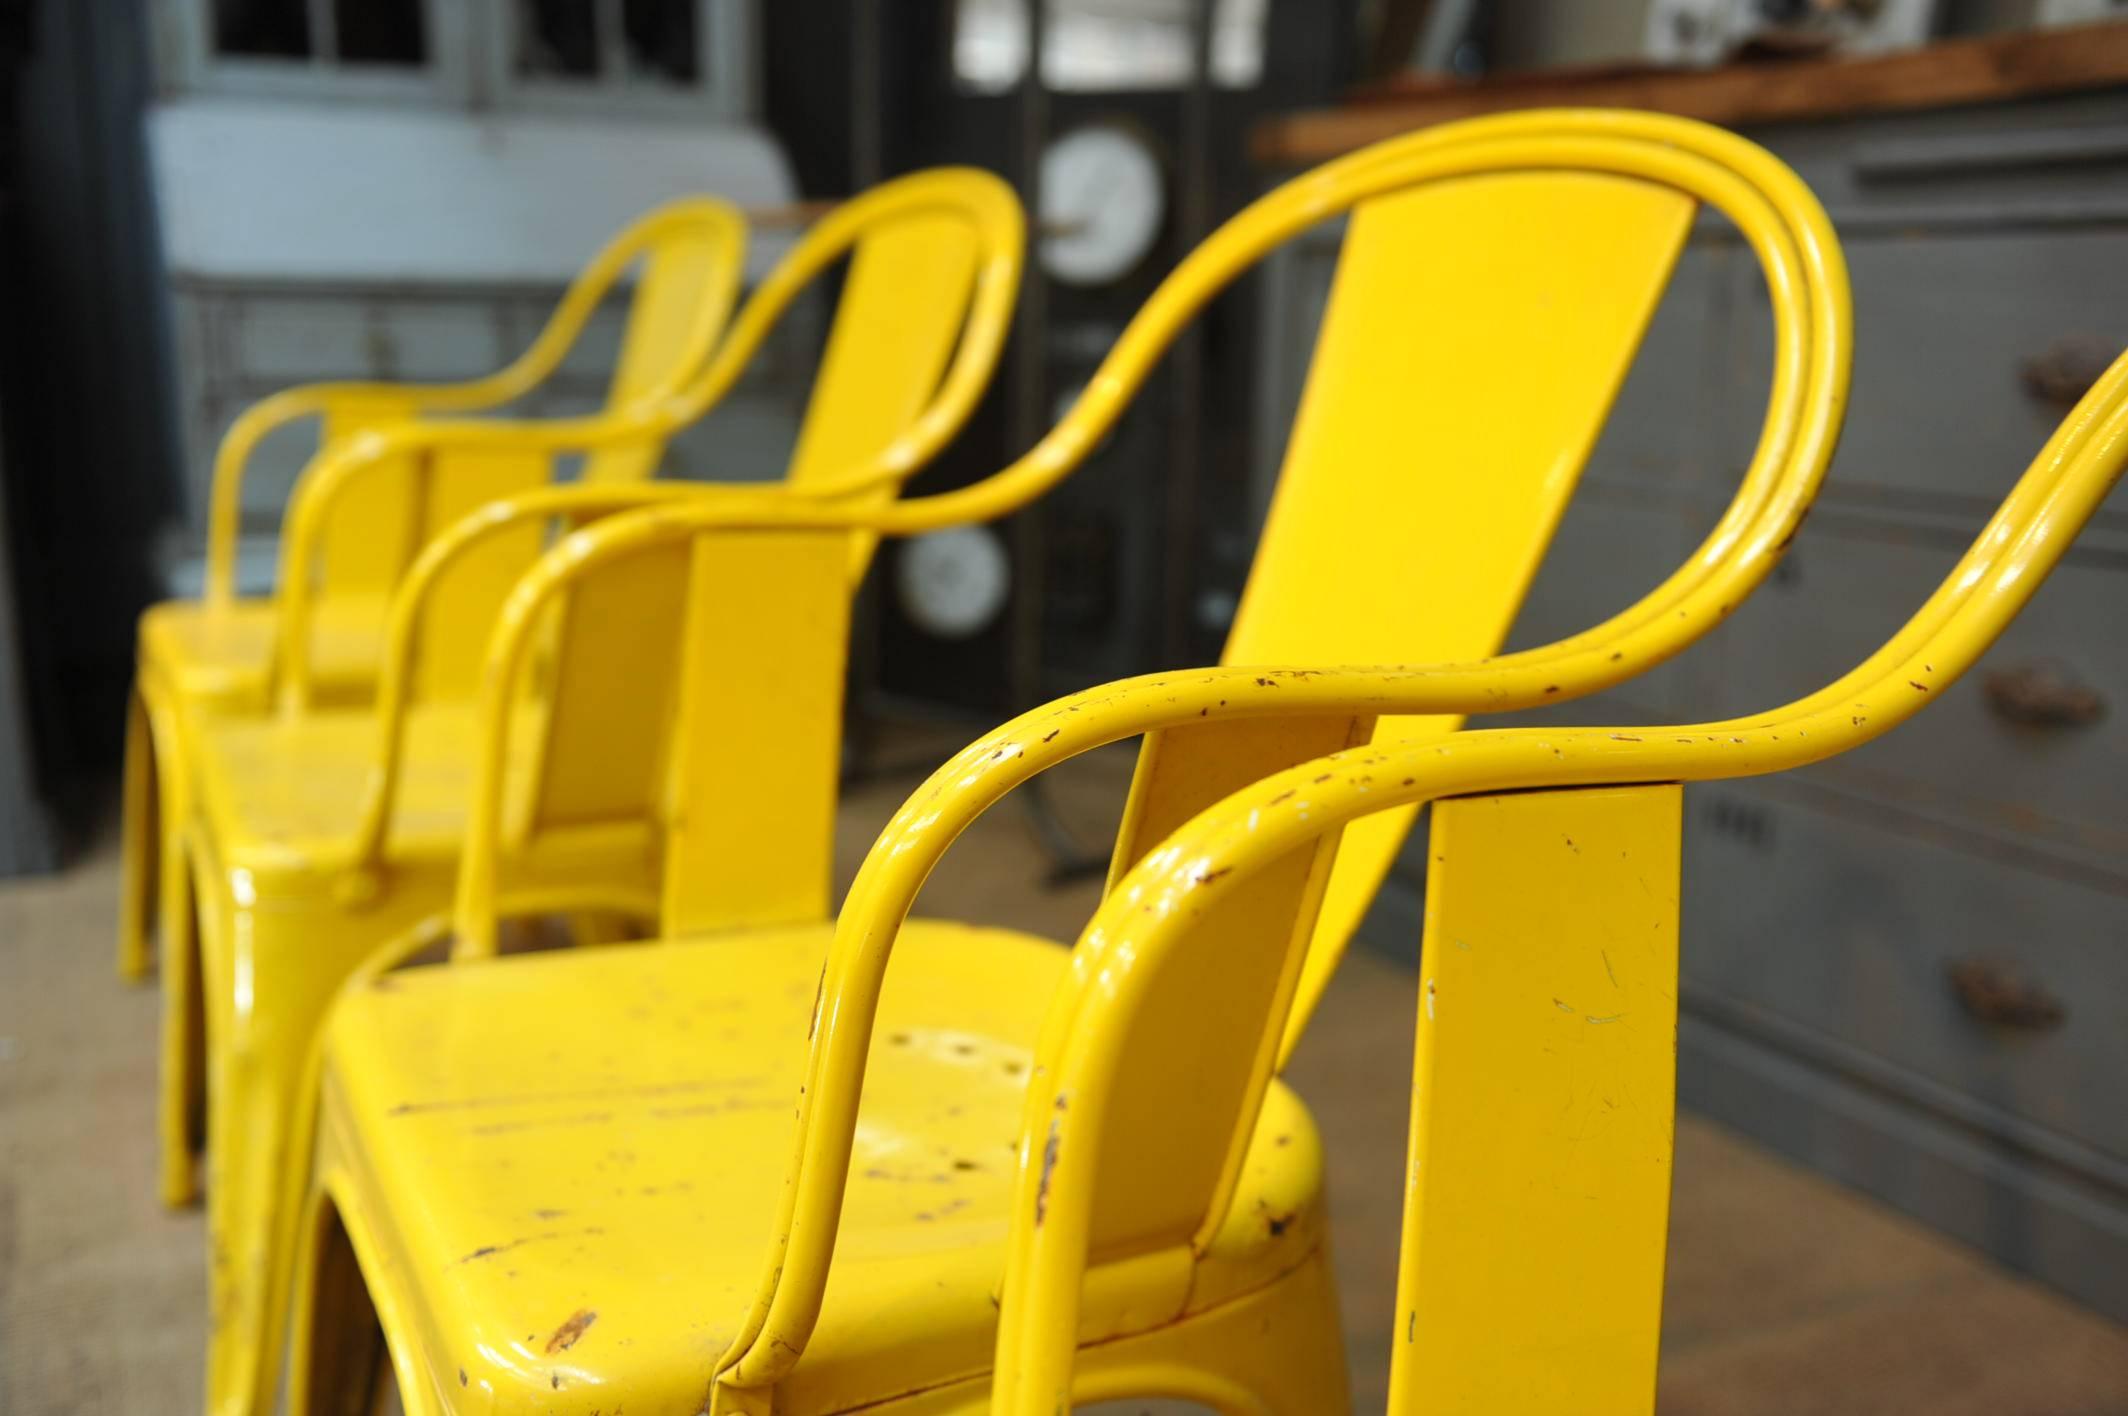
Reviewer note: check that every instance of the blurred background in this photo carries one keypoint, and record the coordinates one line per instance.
(1905, 1035)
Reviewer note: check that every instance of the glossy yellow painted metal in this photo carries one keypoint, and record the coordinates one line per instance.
(216, 654)
(319, 833)
(1606, 781)
(1551, 276)
(587, 1136)
(1220, 1241)
(1543, 1104)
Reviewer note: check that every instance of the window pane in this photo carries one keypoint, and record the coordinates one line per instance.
(661, 39)
(1105, 44)
(271, 28)
(557, 38)
(380, 31)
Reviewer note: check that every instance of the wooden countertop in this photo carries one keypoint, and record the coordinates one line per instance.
(1992, 69)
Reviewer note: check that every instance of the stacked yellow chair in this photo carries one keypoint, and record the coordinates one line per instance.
(751, 1170)
(316, 830)
(1544, 1084)
(216, 654)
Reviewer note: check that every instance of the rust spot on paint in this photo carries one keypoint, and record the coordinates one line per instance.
(1050, 1148)
(490, 1250)
(572, 1328)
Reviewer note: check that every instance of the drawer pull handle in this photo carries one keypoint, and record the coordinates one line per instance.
(1997, 995)
(2043, 695)
(2064, 371)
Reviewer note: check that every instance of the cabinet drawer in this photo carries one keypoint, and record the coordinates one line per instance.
(2035, 737)
(1607, 554)
(1947, 329)
(1874, 939)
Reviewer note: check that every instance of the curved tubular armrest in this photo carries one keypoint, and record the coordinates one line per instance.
(1149, 916)
(322, 486)
(1237, 837)
(989, 322)
(1776, 213)
(515, 379)
(403, 629)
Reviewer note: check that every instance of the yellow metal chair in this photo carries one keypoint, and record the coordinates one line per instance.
(319, 832)
(557, 1182)
(1543, 1092)
(216, 653)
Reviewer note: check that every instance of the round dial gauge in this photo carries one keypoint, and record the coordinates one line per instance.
(952, 583)
(1103, 199)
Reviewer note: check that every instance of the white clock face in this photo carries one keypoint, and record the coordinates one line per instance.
(1103, 198)
(952, 583)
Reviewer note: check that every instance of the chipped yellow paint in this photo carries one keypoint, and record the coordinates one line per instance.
(318, 834)
(1227, 1219)
(1507, 1329)
(1537, 1189)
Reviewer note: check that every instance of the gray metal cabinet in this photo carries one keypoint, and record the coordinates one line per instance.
(1908, 967)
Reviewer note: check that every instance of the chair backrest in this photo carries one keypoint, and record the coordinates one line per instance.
(686, 257)
(1484, 314)
(1496, 278)
(1543, 1085)
(676, 274)
(933, 272)
(1476, 334)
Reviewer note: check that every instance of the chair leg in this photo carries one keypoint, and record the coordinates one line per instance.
(181, 1090)
(175, 915)
(260, 1053)
(139, 842)
(338, 1363)
(181, 1099)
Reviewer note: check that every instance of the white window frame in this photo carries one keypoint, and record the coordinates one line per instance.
(469, 64)
(187, 61)
(724, 62)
